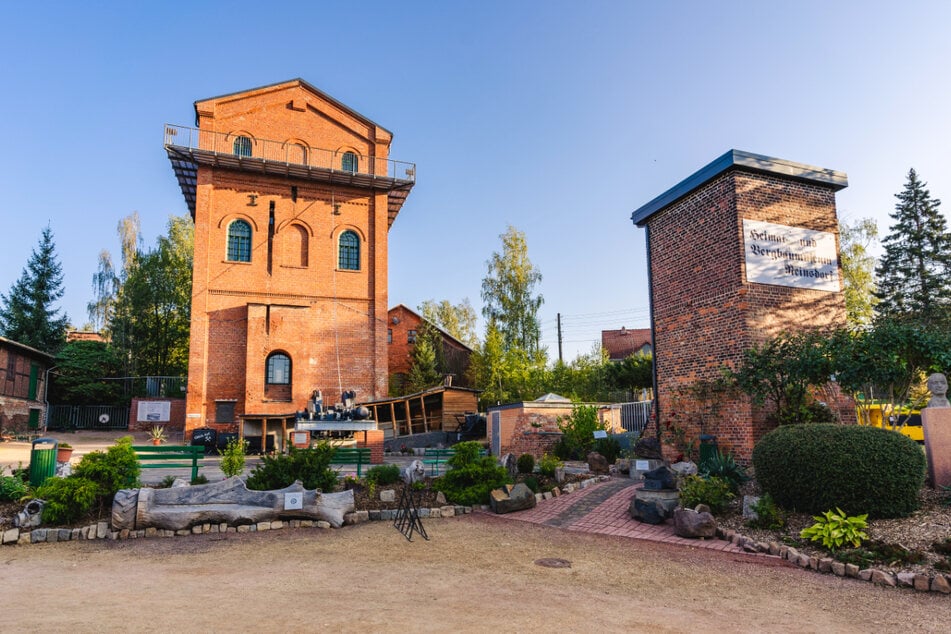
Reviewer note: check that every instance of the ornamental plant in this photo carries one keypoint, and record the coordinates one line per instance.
(714, 492)
(472, 476)
(233, 457)
(547, 465)
(836, 529)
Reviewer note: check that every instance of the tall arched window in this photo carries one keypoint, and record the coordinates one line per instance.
(239, 241)
(297, 245)
(349, 251)
(242, 146)
(277, 380)
(350, 163)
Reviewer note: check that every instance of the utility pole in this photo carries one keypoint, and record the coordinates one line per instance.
(559, 339)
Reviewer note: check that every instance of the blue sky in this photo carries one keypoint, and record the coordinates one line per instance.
(558, 118)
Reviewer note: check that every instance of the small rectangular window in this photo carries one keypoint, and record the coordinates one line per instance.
(389, 335)
(411, 336)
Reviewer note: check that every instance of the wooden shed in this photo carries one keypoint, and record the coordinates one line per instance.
(440, 408)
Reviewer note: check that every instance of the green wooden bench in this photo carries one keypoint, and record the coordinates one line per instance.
(352, 455)
(437, 457)
(170, 457)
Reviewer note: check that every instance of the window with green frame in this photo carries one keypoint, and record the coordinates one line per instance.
(349, 251)
(239, 241)
(350, 162)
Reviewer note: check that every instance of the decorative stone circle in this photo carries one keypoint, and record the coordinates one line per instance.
(553, 562)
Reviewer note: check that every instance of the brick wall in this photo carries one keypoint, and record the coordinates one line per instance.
(705, 314)
(176, 422)
(290, 297)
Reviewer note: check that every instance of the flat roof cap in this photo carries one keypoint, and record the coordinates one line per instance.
(746, 161)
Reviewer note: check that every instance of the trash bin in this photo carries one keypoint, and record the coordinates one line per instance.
(42, 460)
(708, 447)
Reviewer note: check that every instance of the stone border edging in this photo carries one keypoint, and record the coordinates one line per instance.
(827, 565)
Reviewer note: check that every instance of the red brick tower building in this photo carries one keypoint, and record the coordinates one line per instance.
(745, 248)
(292, 194)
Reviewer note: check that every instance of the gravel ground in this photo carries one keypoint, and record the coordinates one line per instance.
(917, 532)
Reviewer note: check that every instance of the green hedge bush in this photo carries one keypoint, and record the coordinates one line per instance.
(383, 474)
(310, 466)
(472, 477)
(813, 468)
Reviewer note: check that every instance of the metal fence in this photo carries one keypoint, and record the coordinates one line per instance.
(634, 416)
(71, 417)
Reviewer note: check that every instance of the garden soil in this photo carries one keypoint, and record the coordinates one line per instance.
(476, 573)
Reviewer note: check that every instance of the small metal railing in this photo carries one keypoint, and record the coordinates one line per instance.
(292, 152)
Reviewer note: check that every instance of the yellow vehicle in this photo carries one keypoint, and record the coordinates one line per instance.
(912, 427)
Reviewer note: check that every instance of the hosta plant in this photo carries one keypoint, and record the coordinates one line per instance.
(836, 529)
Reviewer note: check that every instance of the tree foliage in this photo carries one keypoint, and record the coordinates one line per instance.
(511, 307)
(81, 367)
(858, 269)
(782, 371)
(458, 320)
(424, 370)
(27, 312)
(914, 274)
(150, 321)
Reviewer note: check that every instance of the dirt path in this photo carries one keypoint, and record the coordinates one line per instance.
(477, 573)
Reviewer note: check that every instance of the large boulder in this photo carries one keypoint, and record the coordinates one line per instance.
(598, 464)
(512, 497)
(690, 523)
(648, 511)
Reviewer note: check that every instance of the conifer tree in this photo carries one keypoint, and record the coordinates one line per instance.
(424, 372)
(27, 314)
(914, 274)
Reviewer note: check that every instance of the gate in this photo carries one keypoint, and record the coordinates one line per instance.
(73, 417)
(634, 416)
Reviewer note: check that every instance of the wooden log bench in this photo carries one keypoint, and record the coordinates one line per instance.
(170, 457)
(352, 455)
(436, 456)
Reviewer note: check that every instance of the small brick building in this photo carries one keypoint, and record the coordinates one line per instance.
(293, 194)
(403, 329)
(622, 343)
(23, 373)
(745, 248)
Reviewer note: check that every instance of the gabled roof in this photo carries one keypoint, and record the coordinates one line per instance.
(620, 344)
(303, 84)
(551, 398)
(421, 318)
(738, 159)
(25, 348)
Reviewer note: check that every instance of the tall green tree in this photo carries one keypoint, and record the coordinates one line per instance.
(27, 312)
(508, 292)
(150, 322)
(424, 370)
(458, 320)
(858, 269)
(83, 370)
(914, 274)
(105, 286)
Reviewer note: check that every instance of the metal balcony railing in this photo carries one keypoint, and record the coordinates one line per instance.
(289, 152)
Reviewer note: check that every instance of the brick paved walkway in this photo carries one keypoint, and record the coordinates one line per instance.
(603, 509)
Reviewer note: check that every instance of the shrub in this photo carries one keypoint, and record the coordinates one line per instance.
(232, 458)
(768, 515)
(67, 499)
(383, 474)
(310, 466)
(12, 489)
(472, 477)
(835, 529)
(166, 482)
(526, 463)
(200, 479)
(547, 465)
(578, 432)
(116, 468)
(812, 468)
(724, 466)
(532, 483)
(714, 492)
(608, 447)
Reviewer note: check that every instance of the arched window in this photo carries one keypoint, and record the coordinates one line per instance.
(297, 245)
(349, 251)
(277, 380)
(239, 241)
(350, 163)
(242, 146)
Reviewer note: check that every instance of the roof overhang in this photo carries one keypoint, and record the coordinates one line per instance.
(746, 161)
